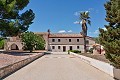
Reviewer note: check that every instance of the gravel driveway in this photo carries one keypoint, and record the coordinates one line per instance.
(59, 67)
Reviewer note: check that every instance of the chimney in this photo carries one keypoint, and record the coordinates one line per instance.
(48, 31)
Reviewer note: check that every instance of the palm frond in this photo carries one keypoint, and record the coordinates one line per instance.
(84, 15)
(89, 22)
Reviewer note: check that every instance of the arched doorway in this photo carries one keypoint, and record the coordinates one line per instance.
(14, 47)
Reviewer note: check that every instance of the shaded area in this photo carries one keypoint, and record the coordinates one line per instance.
(14, 47)
(7, 58)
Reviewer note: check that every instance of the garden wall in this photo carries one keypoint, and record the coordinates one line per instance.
(105, 67)
(5, 71)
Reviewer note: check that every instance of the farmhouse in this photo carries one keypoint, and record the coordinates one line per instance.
(60, 42)
(56, 42)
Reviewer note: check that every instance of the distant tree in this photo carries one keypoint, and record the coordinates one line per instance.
(40, 45)
(96, 40)
(32, 41)
(110, 38)
(84, 16)
(2, 41)
(13, 23)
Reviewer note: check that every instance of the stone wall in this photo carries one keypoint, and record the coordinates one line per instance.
(5, 71)
(13, 42)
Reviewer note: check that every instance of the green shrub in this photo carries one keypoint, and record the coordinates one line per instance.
(2, 44)
(32, 41)
(91, 50)
(75, 51)
(40, 45)
(46, 53)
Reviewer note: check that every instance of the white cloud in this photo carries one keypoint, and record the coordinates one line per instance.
(91, 9)
(104, 29)
(70, 31)
(81, 22)
(96, 32)
(97, 11)
(90, 32)
(86, 11)
(62, 31)
(76, 22)
(76, 14)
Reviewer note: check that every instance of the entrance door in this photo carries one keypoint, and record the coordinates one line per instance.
(64, 48)
(14, 47)
(70, 47)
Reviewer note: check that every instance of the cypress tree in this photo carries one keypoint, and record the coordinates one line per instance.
(110, 38)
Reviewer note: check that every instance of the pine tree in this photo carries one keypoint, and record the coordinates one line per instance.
(12, 23)
(110, 38)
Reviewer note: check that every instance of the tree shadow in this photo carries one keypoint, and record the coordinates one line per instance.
(18, 53)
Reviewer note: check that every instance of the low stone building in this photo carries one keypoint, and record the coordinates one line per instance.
(54, 42)
(13, 43)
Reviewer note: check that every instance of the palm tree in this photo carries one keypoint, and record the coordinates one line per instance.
(84, 17)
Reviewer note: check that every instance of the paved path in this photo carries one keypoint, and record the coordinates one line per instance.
(59, 67)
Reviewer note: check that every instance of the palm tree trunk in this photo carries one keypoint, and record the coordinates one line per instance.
(84, 28)
(84, 44)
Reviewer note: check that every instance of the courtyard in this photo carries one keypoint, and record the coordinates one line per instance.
(83, 38)
(59, 66)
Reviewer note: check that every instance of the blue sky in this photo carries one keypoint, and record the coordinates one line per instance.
(60, 15)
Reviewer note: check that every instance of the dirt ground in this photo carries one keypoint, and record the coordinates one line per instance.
(98, 57)
(7, 58)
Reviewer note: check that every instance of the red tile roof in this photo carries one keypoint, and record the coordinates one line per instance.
(61, 35)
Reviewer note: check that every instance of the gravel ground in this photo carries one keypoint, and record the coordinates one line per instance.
(98, 57)
(59, 66)
(12, 57)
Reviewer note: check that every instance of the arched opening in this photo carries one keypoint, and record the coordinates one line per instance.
(14, 47)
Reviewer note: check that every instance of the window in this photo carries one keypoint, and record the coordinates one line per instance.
(78, 47)
(69, 40)
(70, 47)
(53, 47)
(77, 40)
(53, 40)
(58, 40)
(58, 47)
(87, 41)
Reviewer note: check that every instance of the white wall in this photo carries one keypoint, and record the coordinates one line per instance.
(65, 42)
(105, 67)
(74, 47)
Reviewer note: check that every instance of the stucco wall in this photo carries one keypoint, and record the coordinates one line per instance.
(74, 47)
(66, 41)
(91, 42)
